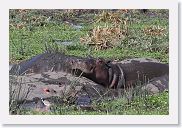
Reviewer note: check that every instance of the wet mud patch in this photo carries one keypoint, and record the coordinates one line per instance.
(54, 87)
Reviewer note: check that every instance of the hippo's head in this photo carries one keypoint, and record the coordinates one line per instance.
(85, 65)
(94, 69)
(89, 65)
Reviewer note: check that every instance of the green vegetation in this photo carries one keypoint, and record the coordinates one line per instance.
(150, 105)
(146, 36)
(30, 30)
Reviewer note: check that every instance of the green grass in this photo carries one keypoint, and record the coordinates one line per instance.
(30, 41)
(33, 42)
(151, 105)
(26, 42)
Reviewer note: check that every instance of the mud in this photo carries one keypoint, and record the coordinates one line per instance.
(157, 85)
(57, 88)
(31, 89)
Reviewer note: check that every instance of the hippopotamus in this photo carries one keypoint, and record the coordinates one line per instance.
(44, 62)
(121, 74)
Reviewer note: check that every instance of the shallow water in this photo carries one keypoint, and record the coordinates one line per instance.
(66, 43)
(77, 27)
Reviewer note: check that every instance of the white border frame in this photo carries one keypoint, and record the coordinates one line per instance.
(172, 118)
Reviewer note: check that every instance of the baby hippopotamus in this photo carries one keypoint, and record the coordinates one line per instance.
(120, 74)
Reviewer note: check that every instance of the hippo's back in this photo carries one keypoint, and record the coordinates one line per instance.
(43, 63)
(143, 71)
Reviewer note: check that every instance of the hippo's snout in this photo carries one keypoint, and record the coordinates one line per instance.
(85, 66)
(76, 64)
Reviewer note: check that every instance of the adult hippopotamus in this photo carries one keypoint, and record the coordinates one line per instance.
(44, 62)
(121, 74)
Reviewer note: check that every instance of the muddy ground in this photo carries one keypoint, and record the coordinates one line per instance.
(56, 88)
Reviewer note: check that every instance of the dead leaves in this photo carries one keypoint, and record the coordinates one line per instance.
(154, 31)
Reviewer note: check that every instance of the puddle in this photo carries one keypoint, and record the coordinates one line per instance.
(66, 43)
(77, 27)
(74, 25)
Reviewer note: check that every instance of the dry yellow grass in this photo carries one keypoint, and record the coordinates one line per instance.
(154, 31)
(103, 37)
